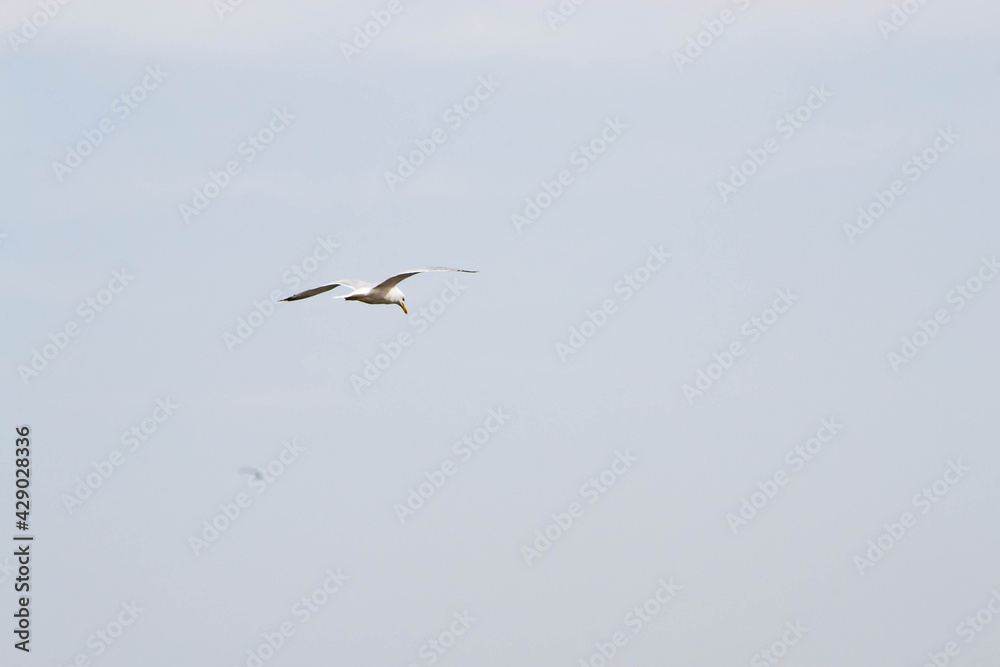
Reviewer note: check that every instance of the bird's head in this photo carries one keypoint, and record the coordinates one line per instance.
(396, 296)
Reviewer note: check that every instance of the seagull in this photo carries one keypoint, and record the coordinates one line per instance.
(385, 292)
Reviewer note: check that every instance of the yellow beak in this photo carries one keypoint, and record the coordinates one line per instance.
(403, 306)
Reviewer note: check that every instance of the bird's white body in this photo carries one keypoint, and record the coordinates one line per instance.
(373, 296)
(384, 293)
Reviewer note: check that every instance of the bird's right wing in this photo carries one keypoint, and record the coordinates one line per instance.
(353, 284)
(388, 284)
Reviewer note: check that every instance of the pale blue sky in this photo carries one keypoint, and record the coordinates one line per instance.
(358, 453)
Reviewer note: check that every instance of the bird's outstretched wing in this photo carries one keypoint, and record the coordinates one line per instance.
(353, 284)
(388, 284)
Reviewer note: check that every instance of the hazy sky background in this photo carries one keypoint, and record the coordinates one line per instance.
(495, 347)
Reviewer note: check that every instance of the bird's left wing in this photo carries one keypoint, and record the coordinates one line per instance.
(353, 284)
(388, 284)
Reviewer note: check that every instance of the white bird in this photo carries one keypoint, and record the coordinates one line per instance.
(385, 292)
